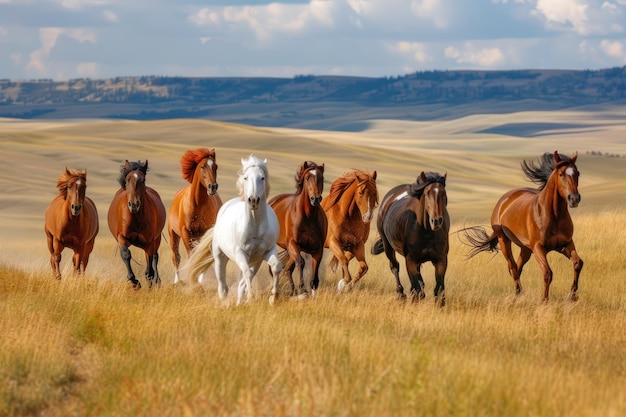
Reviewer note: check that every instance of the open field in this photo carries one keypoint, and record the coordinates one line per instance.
(90, 346)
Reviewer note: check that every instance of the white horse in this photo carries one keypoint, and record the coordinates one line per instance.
(246, 230)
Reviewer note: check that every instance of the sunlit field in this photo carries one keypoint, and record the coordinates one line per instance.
(90, 345)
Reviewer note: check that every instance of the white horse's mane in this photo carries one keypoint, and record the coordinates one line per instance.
(253, 161)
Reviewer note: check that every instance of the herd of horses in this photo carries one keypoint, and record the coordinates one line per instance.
(252, 228)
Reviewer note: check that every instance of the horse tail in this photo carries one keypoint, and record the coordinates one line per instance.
(283, 257)
(377, 246)
(201, 256)
(478, 240)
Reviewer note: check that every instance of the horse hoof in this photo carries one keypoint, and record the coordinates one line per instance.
(341, 285)
(273, 298)
(302, 296)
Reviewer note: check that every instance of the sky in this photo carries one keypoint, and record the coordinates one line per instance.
(65, 39)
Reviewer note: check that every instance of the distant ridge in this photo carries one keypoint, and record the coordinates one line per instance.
(291, 101)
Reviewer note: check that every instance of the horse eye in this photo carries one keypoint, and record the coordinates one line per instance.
(245, 178)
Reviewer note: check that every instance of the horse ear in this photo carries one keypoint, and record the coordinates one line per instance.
(374, 175)
(127, 164)
(145, 165)
(445, 175)
(305, 165)
(84, 172)
(557, 158)
(243, 162)
(322, 168)
(423, 176)
(573, 158)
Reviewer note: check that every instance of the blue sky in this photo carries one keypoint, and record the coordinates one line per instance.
(63, 39)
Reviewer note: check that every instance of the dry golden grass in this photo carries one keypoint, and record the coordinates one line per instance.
(91, 346)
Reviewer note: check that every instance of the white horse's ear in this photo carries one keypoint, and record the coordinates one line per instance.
(265, 161)
(243, 161)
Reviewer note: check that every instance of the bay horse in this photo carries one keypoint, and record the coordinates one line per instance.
(303, 224)
(535, 219)
(413, 221)
(194, 207)
(245, 232)
(71, 221)
(136, 218)
(349, 209)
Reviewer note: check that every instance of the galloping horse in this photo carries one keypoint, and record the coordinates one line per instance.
(303, 224)
(413, 220)
(245, 232)
(194, 208)
(536, 220)
(136, 217)
(71, 221)
(349, 209)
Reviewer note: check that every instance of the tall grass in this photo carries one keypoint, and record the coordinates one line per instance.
(93, 346)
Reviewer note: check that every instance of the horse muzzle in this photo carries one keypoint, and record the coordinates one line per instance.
(573, 200)
(315, 201)
(436, 223)
(254, 202)
(76, 209)
(134, 206)
(211, 189)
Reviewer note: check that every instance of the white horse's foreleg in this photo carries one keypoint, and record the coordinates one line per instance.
(220, 271)
(245, 284)
(276, 267)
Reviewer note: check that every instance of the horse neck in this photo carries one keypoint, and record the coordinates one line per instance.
(347, 201)
(550, 198)
(421, 212)
(304, 205)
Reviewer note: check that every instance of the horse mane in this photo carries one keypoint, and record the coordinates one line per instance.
(132, 167)
(67, 178)
(417, 189)
(306, 166)
(190, 160)
(341, 184)
(539, 171)
(253, 161)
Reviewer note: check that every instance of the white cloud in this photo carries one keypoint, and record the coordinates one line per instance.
(433, 10)
(110, 16)
(48, 37)
(482, 57)
(417, 51)
(87, 69)
(613, 49)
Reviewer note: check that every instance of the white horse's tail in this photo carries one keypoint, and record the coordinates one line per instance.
(201, 256)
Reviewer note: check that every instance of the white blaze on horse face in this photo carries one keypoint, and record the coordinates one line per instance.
(570, 171)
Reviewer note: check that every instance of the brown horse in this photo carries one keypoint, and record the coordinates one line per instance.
(536, 220)
(413, 220)
(349, 209)
(194, 207)
(136, 217)
(303, 224)
(71, 221)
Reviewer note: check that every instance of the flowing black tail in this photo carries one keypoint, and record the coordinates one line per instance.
(377, 247)
(478, 240)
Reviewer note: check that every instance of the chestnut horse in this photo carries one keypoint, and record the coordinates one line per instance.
(303, 224)
(349, 209)
(194, 207)
(71, 221)
(136, 217)
(413, 220)
(536, 220)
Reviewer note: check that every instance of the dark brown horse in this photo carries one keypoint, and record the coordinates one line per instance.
(413, 220)
(194, 207)
(536, 220)
(303, 224)
(349, 209)
(71, 221)
(136, 217)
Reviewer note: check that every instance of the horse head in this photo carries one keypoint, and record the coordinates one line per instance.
(366, 196)
(74, 184)
(208, 170)
(135, 184)
(310, 179)
(252, 183)
(435, 201)
(568, 178)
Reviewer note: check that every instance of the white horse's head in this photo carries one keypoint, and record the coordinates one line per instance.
(253, 182)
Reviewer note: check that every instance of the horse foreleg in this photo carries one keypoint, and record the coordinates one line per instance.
(570, 252)
(315, 268)
(76, 261)
(55, 247)
(340, 257)
(126, 258)
(175, 247)
(417, 282)
(359, 254)
(86, 251)
(440, 289)
(221, 260)
(245, 284)
(294, 253)
(275, 267)
(540, 255)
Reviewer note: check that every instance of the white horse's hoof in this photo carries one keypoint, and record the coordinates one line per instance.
(272, 299)
(302, 296)
(341, 285)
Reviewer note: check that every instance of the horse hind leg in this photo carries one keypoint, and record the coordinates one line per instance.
(505, 246)
(55, 248)
(572, 254)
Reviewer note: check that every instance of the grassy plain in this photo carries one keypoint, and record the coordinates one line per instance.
(91, 346)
